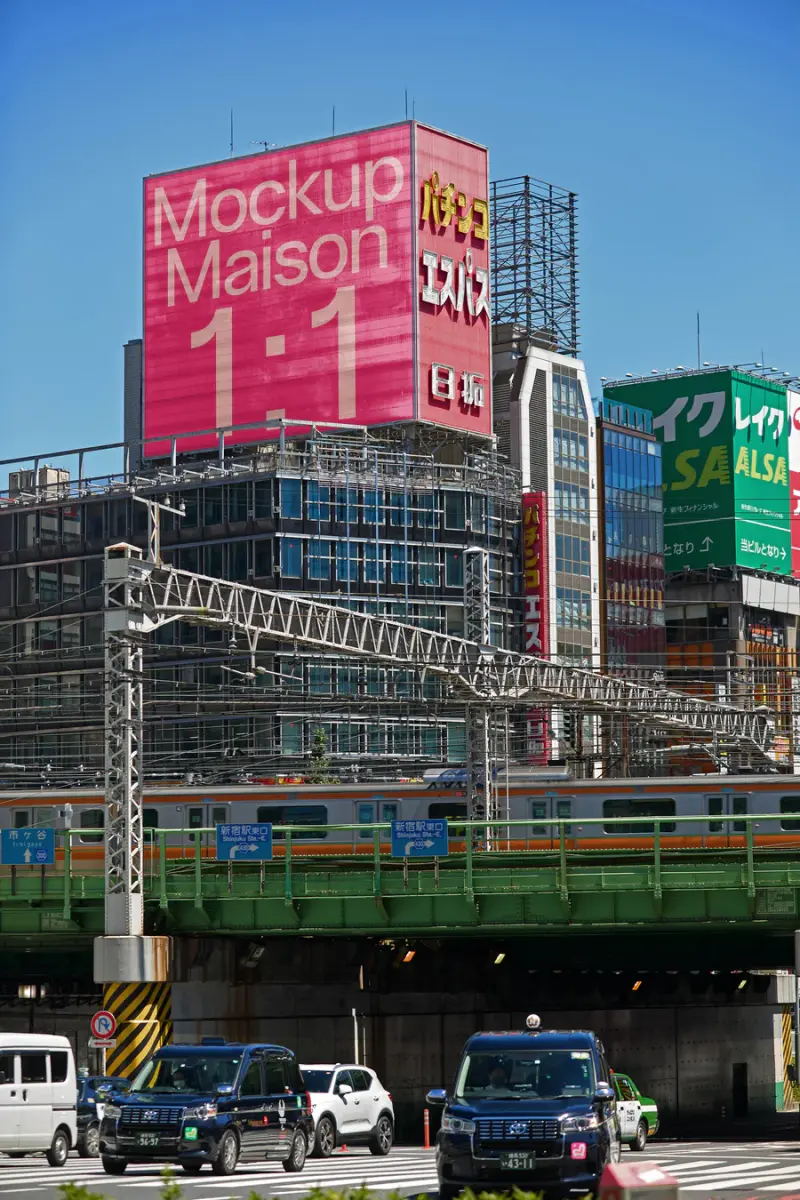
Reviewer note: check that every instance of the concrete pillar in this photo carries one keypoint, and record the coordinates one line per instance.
(144, 1023)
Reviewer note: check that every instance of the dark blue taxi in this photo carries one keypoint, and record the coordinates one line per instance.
(530, 1109)
(215, 1103)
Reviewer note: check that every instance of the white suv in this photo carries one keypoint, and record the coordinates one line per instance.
(349, 1105)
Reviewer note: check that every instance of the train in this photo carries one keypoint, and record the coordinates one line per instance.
(317, 813)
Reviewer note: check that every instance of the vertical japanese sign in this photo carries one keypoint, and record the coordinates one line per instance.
(761, 474)
(793, 417)
(537, 610)
(345, 280)
(454, 321)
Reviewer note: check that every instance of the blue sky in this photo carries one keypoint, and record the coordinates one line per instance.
(677, 122)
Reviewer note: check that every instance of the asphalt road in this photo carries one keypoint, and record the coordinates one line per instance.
(705, 1170)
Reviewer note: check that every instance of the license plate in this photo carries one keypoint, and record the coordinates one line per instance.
(147, 1139)
(516, 1160)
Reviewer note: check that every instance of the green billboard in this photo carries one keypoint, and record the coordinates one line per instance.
(725, 468)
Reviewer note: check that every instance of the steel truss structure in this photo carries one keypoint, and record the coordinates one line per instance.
(141, 596)
(535, 259)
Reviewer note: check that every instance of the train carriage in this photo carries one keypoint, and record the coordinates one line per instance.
(596, 814)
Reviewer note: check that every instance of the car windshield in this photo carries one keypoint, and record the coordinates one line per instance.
(316, 1081)
(196, 1073)
(527, 1075)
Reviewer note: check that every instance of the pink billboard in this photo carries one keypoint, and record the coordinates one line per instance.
(301, 284)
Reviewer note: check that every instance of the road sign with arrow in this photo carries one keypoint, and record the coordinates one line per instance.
(28, 847)
(244, 843)
(419, 839)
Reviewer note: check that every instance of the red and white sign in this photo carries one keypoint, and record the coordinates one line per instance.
(344, 280)
(537, 610)
(635, 1181)
(103, 1025)
(793, 402)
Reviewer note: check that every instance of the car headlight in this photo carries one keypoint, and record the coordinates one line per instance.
(113, 1111)
(457, 1124)
(580, 1124)
(201, 1112)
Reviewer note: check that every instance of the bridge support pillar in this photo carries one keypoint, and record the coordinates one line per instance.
(144, 1023)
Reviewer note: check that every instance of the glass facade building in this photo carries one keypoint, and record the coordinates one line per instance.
(632, 539)
(354, 521)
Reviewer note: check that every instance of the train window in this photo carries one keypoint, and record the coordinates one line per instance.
(389, 811)
(366, 815)
(150, 818)
(715, 809)
(451, 811)
(790, 804)
(219, 816)
(653, 806)
(739, 809)
(295, 814)
(563, 813)
(22, 818)
(92, 818)
(539, 813)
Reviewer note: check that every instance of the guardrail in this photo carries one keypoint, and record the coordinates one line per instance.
(569, 871)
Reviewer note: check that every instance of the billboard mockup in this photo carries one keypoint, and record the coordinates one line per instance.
(725, 438)
(342, 281)
(535, 581)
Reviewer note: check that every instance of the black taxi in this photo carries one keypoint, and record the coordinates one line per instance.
(215, 1103)
(533, 1109)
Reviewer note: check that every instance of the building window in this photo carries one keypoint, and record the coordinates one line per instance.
(455, 510)
(399, 565)
(453, 568)
(291, 558)
(567, 399)
(426, 511)
(374, 563)
(399, 509)
(427, 567)
(571, 502)
(319, 559)
(319, 501)
(373, 506)
(319, 680)
(572, 554)
(347, 561)
(347, 505)
(573, 608)
(291, 498)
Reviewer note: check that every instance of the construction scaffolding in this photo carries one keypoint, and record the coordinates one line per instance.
(535, 260)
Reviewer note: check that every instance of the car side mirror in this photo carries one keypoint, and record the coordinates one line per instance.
(603, 1092)
(223, 1089)
(344, 1089)
(437, 1096)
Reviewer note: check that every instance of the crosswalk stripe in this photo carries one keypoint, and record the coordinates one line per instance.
(741, 1180)
(730, 1169)
(778, 1187)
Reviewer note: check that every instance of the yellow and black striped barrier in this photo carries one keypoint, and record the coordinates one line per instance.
(144, 1023)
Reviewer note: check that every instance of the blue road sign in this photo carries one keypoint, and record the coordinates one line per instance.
(244, 843)
(29, 847)
(419, 839)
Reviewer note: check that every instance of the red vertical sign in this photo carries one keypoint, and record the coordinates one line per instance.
(537, 610)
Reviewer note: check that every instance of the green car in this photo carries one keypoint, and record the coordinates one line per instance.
(638, 1114)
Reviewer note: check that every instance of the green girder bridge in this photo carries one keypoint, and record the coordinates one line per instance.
(471, 891)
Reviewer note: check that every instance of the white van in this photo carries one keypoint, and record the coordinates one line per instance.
(38, 1093)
